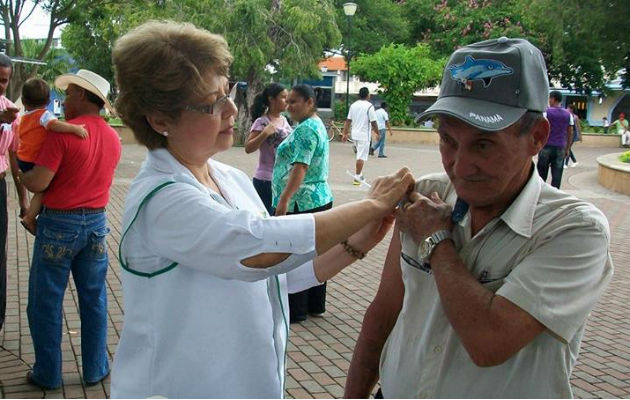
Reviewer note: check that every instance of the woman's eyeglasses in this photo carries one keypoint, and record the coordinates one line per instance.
(217, 107)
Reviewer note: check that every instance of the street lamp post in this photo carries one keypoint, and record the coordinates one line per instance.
(349, 9)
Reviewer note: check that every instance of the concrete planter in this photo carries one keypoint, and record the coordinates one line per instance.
(614, 174)
(600, 140)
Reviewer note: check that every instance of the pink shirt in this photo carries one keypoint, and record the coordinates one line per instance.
(267, 154)
(8, 137)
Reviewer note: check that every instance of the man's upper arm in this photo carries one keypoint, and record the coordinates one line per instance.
(391, 290)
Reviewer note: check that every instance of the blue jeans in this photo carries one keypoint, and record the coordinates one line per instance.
(551, 157)
(380, 145)
(67, 243)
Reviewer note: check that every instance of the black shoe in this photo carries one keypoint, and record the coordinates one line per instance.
(29, 379)
(88, 384)
(371, 151)
(382, 156)
(297, 318)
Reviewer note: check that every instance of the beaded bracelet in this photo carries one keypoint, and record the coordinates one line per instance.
(352, 251)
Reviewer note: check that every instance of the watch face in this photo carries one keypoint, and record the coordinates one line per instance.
(424, 250)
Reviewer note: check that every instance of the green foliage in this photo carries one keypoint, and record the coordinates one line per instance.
(376, 23)
(625, 157)
(447, 25)
(16, 13)
(285, 37)
(90, 38)
(584, 42)
(400, 71)
(57, 60)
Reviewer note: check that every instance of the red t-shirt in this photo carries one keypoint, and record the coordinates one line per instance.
(84, 168)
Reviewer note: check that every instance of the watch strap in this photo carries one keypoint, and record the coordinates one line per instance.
(441, 235)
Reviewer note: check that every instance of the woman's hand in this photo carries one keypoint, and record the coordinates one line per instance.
(371, 234)
(281, 208)
(269, 130)
(387, 190)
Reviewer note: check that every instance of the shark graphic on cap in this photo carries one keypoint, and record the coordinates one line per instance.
(482, 69)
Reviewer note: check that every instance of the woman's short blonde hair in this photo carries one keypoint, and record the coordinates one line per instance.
(160, 67)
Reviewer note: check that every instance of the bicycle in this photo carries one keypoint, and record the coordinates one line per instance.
(334, 131)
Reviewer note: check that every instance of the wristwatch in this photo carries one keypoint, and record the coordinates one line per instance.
(426, 247)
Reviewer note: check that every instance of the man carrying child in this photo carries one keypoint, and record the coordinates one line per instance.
(75, 175)
(32, 131)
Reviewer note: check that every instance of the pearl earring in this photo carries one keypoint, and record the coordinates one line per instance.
(165, 133)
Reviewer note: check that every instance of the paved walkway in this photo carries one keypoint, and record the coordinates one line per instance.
(321, 348)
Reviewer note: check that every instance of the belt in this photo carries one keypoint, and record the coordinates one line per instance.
(72, 211)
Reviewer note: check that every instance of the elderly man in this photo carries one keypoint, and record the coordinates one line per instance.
(8, 149)
(491, 272)
(76, 175)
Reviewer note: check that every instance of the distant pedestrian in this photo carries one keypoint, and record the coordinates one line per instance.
(382, 121)
(362, 119)
(56, 107)
(577, 137)
(621, 127)
(606, 124)
(269, 129)
(559, 142)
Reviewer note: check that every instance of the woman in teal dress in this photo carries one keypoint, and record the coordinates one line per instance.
(300, 182)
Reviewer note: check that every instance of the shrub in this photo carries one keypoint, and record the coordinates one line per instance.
(625, 157)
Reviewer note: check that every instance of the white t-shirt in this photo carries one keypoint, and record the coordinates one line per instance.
(361, 113)
(381, 118)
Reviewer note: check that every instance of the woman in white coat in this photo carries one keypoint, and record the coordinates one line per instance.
(205, 268)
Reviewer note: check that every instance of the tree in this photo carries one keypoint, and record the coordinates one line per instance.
(448, 25)
(281, 38)
(89, 39)
(584, 43)
(376, 23)
(15, 13)
(57, 60)
(268, 38)
(400, 71)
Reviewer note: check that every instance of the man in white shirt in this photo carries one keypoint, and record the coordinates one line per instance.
(491, 272)
(382, 121)
(362, 118)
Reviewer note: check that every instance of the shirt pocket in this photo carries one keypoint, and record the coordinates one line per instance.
(415, 264)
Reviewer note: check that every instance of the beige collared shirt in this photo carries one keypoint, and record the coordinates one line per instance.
(547, 253)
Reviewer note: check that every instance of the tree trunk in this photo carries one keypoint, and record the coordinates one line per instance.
(245, 101)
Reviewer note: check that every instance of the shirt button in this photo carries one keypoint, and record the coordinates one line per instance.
(437, 349)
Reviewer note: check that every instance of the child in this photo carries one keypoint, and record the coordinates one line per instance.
(32, 130)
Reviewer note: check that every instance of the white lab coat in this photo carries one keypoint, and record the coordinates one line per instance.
(197, 322)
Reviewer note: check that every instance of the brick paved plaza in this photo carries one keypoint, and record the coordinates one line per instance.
(320, 349)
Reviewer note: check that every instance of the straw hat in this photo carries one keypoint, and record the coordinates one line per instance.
(89, 81)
